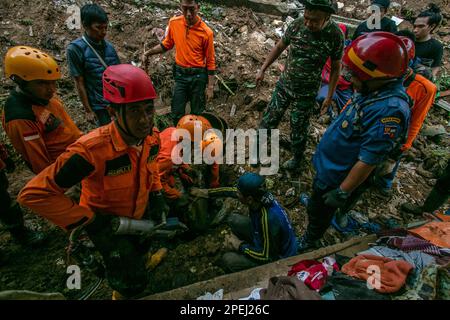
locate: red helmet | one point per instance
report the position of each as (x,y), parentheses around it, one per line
(377,55)
(410,46)
(124,83)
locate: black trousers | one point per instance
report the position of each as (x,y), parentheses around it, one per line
(10,216)
(320,214)
(190,86)
(124,257)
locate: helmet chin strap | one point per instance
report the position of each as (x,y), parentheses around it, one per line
(127,130)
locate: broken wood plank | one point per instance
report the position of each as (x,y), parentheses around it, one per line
(248,278)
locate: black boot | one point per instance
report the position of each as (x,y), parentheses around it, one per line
(434,200)
(13,220)
(412,208)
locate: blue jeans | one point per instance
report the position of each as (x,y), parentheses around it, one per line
(385,182)
(340,96)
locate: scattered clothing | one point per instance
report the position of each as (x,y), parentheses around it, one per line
(417,259)
(218,295)
(254,295)
(344,287)
(437,233)
(392,273)
(313,273)
(411,243)
(432,284)
(288,288)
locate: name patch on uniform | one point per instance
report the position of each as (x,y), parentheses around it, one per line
(118,166)
(391,119)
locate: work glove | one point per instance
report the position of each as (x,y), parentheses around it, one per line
(185,173)
(336,198)
(158,207)
(182,201)
(199,193)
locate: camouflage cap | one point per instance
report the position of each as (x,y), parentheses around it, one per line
(322,5)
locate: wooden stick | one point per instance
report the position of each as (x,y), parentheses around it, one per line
(225,85)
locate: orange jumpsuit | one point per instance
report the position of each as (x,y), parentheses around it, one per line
(116,179)
(39,133)
(167,168)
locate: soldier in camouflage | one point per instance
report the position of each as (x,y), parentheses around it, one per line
(312,39)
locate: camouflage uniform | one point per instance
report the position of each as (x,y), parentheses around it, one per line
(300,81)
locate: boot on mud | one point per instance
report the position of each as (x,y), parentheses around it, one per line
(292,164)
(304,244)
(28,238)
(412,208)
(13,221)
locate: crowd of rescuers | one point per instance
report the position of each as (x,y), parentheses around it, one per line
(126,170)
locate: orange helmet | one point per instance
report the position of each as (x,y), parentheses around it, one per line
(191,122)
(29,64)
(211,139)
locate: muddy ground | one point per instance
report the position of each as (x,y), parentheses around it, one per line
(243,39)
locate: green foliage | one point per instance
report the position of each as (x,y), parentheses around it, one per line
(26,22)
(443,82)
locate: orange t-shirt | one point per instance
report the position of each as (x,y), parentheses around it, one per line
(422,92)
(194,44)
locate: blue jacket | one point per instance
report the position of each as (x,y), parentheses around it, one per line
(370,129)
(273,235)
(93,71)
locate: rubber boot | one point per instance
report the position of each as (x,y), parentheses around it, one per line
(155,259)
(304,243)
(13,220)
(412,208)
(293,164)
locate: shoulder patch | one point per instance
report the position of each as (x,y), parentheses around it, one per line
(18,107)
(391,120)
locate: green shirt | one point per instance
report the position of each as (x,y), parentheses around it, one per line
(308,53)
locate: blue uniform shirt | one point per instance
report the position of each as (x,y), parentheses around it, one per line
(273,235)
(369,129)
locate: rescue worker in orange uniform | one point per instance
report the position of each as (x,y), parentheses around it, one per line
(34,119)
(422,92)
(195,62)
(177,179)
(116,165)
